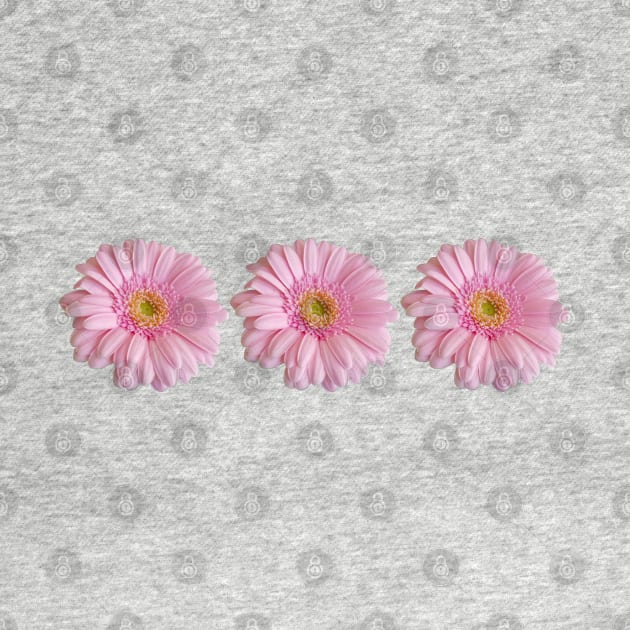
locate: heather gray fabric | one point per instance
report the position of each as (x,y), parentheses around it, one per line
(386,126)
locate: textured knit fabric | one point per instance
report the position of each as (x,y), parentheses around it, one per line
(388,127)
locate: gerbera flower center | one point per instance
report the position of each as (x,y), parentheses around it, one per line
(318,308)
(489,308)
(147,308)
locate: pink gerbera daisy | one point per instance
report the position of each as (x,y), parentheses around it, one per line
(489,309)
(319,310)
(147,309)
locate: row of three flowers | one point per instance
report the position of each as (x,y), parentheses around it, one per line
(319,310)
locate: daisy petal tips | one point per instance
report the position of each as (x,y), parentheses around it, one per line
(490,310)
(319,310)
(148,310)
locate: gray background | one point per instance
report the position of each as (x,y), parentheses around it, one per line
(389,127)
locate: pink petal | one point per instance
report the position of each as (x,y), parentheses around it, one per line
(140,265)
(283,340)
(271,321)
(339,346)
(453,340)
(306,349)
(101,321)
(278,263)
(106,257)
(163,265)
(112,341)
(310,257)
(294,261)
(479,348)
(335,264)
(442,321)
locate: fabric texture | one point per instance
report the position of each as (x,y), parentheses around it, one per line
(387,127)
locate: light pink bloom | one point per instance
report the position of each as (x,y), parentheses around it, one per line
(319,310)
(489,309)
(147,309)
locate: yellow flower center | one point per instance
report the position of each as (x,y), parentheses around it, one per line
(318,308)
(488,308)
(147,308)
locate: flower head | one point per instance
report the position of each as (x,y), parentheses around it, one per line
(319,310)
(147,309)
(489,309)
